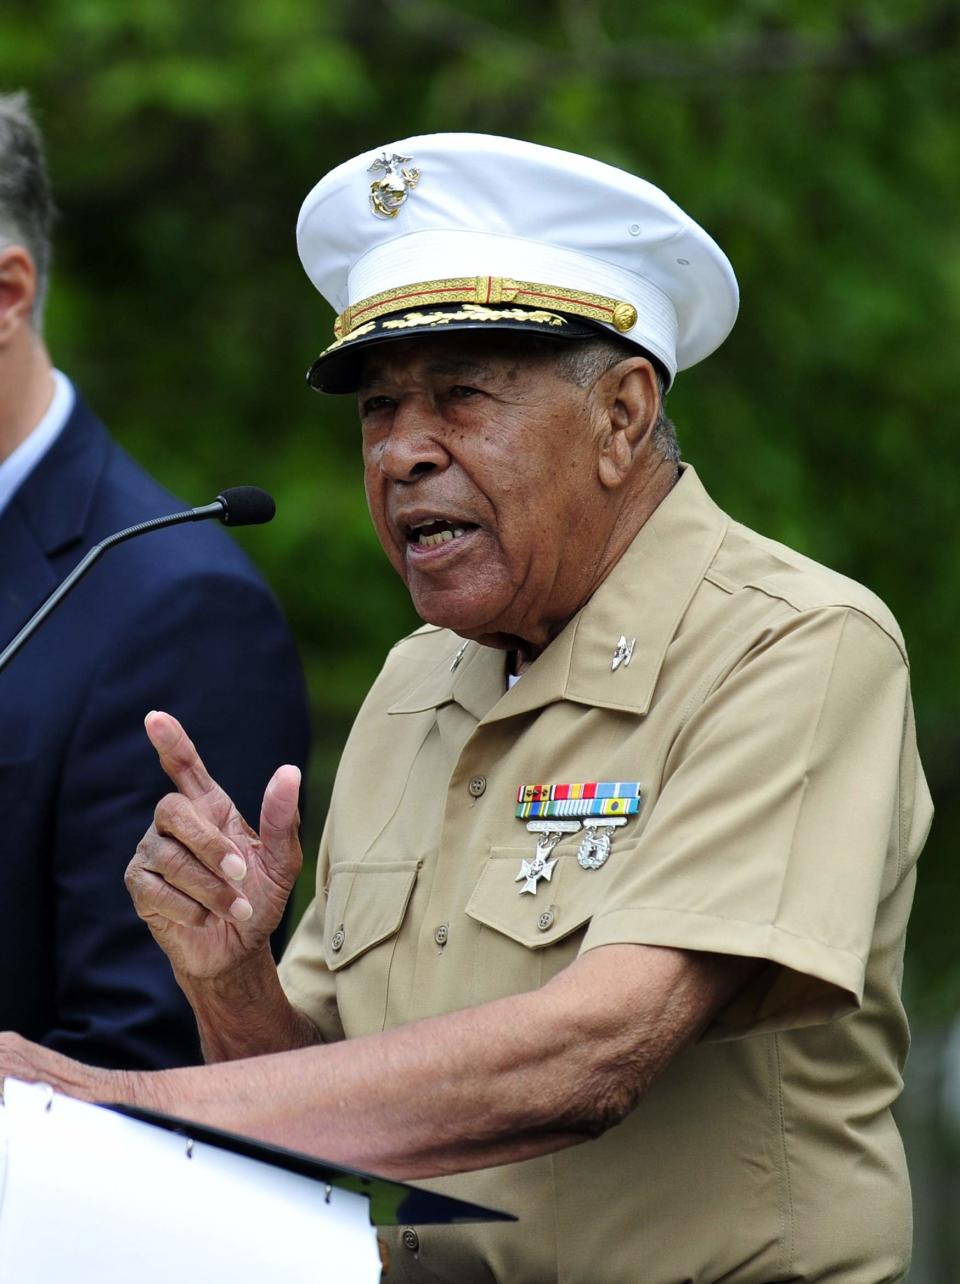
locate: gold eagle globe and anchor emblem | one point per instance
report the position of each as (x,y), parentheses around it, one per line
(388,193)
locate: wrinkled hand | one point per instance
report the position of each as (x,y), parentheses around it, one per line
(210,889)
(21,1059)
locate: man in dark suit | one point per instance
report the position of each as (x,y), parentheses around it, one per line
(176,619)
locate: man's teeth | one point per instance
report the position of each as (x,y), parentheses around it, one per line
(441,537)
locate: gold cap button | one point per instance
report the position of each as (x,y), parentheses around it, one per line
(624,317)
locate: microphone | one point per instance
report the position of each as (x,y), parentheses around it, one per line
(237,506)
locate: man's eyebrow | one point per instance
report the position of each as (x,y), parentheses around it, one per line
(370,374)
(441,367)
(458,366)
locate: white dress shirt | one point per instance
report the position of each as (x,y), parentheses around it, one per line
(16,468)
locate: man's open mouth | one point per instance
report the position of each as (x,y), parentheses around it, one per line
(437,531)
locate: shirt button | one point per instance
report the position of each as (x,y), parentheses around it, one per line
(477,785)
(546,920)
(441,934)
(410,1239)
(337,940)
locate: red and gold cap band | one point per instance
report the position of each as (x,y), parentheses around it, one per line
(487,290)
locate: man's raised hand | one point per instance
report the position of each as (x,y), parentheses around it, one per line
(210,888)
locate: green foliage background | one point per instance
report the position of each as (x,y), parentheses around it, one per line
(817,141)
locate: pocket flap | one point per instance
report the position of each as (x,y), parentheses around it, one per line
(366,903)
(560,906)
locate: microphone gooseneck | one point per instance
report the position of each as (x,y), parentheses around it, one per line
(238,506)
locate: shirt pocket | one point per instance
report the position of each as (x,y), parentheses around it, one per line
(560,907)
(366,905)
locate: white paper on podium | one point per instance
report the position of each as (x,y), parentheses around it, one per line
(88,1196)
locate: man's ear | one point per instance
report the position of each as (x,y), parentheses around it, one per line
(630,403)
(18,289)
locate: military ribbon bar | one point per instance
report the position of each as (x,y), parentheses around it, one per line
(579,807)
(589,789)
(589,798)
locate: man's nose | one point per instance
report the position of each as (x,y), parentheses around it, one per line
(414,445)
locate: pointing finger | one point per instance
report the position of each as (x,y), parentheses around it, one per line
(179,758)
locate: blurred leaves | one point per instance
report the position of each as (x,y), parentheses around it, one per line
(818,143)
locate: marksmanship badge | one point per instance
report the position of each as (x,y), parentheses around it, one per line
(595,848)
(388,193)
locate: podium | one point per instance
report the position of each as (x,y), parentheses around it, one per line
(112,1194)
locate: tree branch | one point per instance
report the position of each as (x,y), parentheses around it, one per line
(859,47)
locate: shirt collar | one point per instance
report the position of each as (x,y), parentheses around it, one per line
(17,466)
(645,596)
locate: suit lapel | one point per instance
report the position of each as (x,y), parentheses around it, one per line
(43,528)
(26,576)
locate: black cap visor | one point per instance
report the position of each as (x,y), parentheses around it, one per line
(337,370)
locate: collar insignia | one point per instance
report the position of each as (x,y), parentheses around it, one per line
(622,653)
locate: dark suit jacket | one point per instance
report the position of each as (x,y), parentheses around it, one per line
(176,620)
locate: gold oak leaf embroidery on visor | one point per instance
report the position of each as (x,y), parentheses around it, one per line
(360,331)
(470,312)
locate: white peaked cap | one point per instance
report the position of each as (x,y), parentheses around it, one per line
(454,231)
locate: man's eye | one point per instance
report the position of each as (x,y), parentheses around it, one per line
(372,404)
(462,390)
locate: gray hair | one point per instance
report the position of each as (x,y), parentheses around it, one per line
(584,361)
(26,203)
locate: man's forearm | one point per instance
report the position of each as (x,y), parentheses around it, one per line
(247,1013)
(417,1101)
(489,1085)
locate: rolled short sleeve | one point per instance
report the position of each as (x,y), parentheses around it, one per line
(775,827)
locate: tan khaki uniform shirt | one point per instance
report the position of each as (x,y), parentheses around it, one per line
(766,712)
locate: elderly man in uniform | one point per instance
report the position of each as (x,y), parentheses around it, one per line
(613,889)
